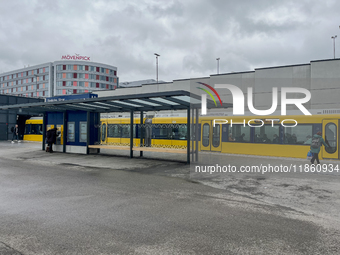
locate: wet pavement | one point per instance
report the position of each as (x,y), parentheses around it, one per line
(110,204)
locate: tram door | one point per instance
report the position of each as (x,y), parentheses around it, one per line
(330,133)
(211,136)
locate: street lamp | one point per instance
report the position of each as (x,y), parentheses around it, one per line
(157,55)
(333,37)
(218,65)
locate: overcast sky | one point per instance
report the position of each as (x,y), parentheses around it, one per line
(188,34)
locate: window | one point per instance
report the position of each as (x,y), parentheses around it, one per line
(113,130)
(239,133)
(125,130)
(205,135)
(34,129)
(81,84)
(267,134)
(216,136)
(301,134)
(59,67)
(331,137)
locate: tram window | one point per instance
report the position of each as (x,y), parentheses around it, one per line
(239,133)
(331,137)
(162,131)
(113,130)
(180,132)
(27,129)
(216,136)
(125,131)
(36,129)
(267,134)
(300,134)
(205,135)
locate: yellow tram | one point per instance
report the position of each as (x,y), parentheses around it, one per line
(278,136)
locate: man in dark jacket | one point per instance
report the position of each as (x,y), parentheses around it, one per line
(15,133)
(51,137)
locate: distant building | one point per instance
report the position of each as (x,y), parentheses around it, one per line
(137,83)
(59,78)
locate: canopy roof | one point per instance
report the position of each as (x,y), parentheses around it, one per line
(156,101)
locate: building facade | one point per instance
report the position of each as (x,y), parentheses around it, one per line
(320,77)
(59,78)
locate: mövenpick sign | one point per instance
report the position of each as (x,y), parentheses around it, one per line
(75,57)
(238,101)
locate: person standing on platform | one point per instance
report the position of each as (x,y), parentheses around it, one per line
(51,138)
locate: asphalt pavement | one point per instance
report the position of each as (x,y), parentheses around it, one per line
(55,203)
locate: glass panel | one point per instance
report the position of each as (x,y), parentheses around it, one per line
(331,137)
(301,134)
(267,134)
(216,136)
(239,133)
(205,135)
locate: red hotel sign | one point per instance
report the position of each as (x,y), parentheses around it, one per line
(75,57)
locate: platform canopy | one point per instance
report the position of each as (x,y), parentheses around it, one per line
(156,101)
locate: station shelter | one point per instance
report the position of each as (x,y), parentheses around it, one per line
(77,119)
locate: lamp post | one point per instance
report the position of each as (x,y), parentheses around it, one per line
(333,37)
(157,55)
(218,65)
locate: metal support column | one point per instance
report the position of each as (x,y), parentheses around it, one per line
(64,130)
(192,132)
(188,135)
(141,133)
(88,133)
(197,135)
(131,134)
(44,131)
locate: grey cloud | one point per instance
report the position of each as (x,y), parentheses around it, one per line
(188,35)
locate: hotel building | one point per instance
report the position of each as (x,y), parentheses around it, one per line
(63,77)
